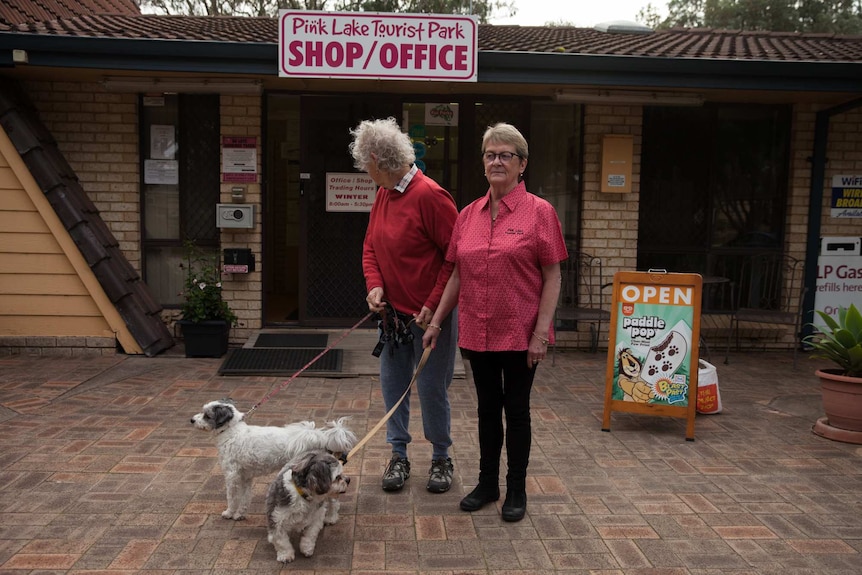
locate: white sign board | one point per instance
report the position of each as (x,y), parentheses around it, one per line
(839,275)
(165,172)
(349,192)
(441,47)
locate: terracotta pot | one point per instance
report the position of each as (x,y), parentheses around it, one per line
(842,399)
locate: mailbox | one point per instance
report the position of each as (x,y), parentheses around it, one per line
(234,215)
(238,261)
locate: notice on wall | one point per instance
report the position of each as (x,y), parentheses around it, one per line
(442,47)
(163,172)
(653,350)
(163,142)
(239,159)
(846,197)
(349,192)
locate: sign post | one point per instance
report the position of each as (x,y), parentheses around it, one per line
(653,350)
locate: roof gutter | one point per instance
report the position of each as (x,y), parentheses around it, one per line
(191,56)
(145,54)
(650,72)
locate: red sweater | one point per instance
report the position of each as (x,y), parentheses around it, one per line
(406,243)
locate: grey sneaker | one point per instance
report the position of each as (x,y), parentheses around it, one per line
(397,472)
(440,479)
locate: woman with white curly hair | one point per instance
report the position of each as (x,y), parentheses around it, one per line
(403,260)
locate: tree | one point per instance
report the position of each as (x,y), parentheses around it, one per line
(837,16)
(483,9)
(649,16)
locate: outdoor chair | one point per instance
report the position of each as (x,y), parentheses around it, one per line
(582,296)
(767,299)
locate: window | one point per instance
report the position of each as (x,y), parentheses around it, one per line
(713,186)
(180,185)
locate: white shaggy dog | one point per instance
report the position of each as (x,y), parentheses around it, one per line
(249,451)
(297,502)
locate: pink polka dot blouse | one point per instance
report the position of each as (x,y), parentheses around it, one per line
(500,266)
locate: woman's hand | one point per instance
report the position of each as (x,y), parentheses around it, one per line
(423,318)
(537,350)
(375,299)
(429,338)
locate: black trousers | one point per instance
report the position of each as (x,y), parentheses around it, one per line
(503,384)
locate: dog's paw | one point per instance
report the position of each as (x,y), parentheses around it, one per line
(306,546)
(236,516)
(286,557)
(331,518)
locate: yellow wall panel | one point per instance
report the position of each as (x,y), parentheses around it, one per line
(56,326)
(46,285)
(22,222)
(46,264)
(29,243)
(53,305)
(34,284)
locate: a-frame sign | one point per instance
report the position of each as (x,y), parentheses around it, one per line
(653,349)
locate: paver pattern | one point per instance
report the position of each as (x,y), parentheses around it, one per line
(102,472)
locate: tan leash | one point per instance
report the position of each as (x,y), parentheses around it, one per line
(306,366)
(386,417)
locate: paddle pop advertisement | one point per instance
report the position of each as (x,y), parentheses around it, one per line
(652,355)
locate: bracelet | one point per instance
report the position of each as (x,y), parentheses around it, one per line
(542,339)
(435,326)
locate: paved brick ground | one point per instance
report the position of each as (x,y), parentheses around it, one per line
(101,472)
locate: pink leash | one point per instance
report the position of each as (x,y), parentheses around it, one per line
(306,366)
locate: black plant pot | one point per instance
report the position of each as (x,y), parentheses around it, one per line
(205,338)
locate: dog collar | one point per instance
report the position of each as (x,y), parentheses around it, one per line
(301,491)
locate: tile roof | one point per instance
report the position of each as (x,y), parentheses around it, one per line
(16,12)
(676,43)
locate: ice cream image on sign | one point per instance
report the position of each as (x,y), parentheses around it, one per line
(662,362)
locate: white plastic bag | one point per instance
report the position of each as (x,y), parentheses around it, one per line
(708,396)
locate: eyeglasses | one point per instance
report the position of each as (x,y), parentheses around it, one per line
(505,157)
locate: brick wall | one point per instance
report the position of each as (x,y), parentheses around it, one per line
(98,134)
(609,221)
(241,116)
(844,157)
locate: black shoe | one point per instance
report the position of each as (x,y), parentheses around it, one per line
(515,505)
(440,475)
(480,496)
(397,472)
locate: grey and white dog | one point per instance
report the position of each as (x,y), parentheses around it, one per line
(298,502)
(248,451)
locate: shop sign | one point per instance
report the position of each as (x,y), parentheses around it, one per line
(652,363)
(349,192)
(846,197)
(390,46)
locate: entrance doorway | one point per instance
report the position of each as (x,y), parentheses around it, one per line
(312,265)
(312,257)
(281,211)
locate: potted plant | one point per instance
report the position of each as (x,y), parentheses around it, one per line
(840,341)
(206,317)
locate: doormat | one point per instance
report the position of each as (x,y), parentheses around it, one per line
(280,361)
(292,340)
